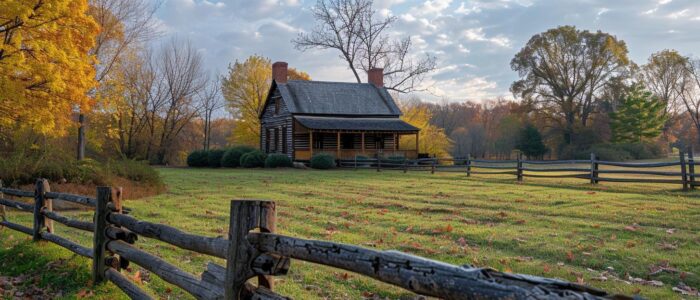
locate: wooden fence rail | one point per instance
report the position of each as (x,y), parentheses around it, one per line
(520,168)
(254,250)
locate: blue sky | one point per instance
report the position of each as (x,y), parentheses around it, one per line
(473,40)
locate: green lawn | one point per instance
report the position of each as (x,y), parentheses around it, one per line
(547,227)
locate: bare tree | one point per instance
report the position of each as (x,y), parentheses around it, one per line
(122,24)
(689,90)
(351,27)
(211,101)
(183,77)
(662,74)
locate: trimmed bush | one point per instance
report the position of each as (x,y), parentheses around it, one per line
(198,158)
(278,161)
(232,156)
(214,157)
(135,170)
(253,159)
(322,161)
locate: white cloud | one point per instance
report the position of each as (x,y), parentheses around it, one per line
(477,34)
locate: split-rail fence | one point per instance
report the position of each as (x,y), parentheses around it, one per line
(589,169)
(254,250)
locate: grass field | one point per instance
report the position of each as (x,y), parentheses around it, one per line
(605,235)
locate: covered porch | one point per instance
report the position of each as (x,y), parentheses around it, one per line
(358,137)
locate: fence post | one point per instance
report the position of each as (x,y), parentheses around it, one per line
(99,266)
(691,167)
(432,166)
(379,163)
(246,215)
(684,174)
(594,169)
(405,165)
(3,212)
(519,166)
(469,165)
(42,186)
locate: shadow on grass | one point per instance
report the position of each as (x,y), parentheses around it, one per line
(41,267)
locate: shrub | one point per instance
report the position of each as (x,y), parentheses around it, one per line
(198,158)
(135,170)
(232,156)
(253,159)
(322,161)
(278,161)
(214,157)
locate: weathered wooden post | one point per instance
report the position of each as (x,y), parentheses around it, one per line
(594,169)
(3,212)
(246,215)
(42,186)
(691,167)
(519,166)
(379,163)
(99,266)
(355,161)
(432,166)
(684,174)
(469,165)
(405,165)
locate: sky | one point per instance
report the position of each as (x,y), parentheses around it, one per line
(473,40)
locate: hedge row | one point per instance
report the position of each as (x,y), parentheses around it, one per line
(240,156)
(249,157)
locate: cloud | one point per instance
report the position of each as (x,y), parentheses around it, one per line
(473,40)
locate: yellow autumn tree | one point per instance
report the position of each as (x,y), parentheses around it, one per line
(45,68)
(432,139)
(245,89)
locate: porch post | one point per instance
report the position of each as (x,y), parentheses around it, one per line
(311,143)
(337,156)
(417,144)
(363,142)
(395,145)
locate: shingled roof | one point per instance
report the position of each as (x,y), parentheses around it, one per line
(359,124)
(337,98)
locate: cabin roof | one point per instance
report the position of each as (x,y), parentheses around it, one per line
(337,98)
(360,124)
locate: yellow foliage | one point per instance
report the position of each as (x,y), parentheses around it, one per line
(432,139)
(245,88)
(45,69)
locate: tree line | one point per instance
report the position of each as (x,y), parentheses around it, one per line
(144,97)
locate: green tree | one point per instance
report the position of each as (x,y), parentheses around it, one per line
(639,117)
(530,142)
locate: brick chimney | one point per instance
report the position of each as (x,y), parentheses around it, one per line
(279,72)
(376,76)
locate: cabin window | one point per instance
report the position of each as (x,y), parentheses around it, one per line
(284,139)
(267,140)
(347,140)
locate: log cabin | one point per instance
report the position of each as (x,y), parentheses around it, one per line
(301,118)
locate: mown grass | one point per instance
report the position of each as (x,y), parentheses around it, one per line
(561,228)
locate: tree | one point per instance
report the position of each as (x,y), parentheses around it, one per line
(245,89)
(45,68)
(530,142)
(352,28)
(122,25)
(662,76)
(640,116)
(563,71)
(211,101)
(432,139)
(689,90)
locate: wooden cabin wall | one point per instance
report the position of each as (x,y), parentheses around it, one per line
(282,121)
